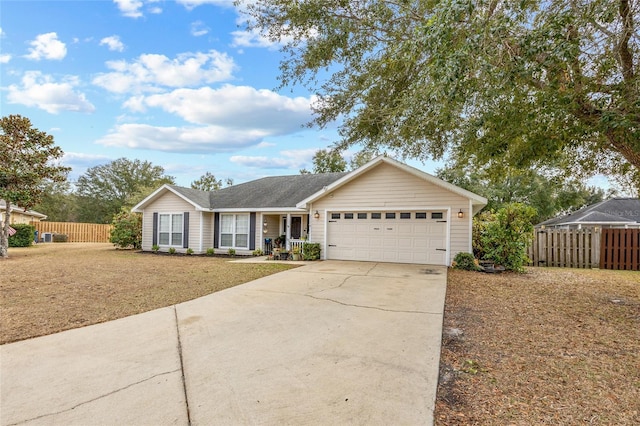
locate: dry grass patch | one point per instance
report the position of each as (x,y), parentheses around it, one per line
(53,287)
(552,346)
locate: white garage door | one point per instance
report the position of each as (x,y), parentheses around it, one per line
(388,236)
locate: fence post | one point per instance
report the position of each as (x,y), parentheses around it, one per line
(596,246)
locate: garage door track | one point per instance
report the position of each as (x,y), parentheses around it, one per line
(328,343)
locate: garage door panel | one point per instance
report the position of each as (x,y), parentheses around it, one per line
(387,240)
(405,242)
(420,243)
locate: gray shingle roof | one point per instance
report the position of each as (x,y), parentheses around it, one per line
(274,191)
(197,196)
(613,210)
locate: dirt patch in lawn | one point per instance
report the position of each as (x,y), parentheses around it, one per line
(552,346)
(53,287)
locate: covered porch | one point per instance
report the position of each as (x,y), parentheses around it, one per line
(284,230)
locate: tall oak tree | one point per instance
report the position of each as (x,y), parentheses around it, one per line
(497,83)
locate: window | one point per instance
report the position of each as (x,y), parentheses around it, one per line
(335,215)
(362,215)
(405,215)
(389,215)
(170,229)
(438,215)
(421,215)
(376,215)
(234,230)
(348,215)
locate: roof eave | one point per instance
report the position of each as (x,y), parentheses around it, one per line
(260,209)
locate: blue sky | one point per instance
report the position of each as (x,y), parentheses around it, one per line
(177,83)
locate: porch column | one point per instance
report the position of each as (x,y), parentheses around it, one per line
(288,231)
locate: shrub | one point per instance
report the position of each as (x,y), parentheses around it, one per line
(60,238)
(465,261)
(480,223)
(231,252)
(24,235)
(311,251)
(506,238)
(155,248)
(189,251)
(210,251)
(258,252)
(172,250)
(127,230)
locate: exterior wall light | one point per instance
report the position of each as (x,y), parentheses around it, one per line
(460,214)
(316,215)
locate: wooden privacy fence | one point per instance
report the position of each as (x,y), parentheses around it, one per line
(620,249)
(568,248)
(76,232)
(586,248)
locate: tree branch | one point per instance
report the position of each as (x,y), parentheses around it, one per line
(624,53)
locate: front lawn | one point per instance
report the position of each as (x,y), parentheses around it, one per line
(53,287)
(552,346)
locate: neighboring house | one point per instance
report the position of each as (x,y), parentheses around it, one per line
(612,213)
(383,211)
(20,215)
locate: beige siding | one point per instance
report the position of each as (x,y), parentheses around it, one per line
(207,232)
(18,217)
(171,203)
(273,227)
(387,187)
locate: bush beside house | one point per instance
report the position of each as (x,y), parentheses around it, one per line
(503,237)
(24,235)
(127,230)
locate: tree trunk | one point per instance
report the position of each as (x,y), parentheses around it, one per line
(4,231)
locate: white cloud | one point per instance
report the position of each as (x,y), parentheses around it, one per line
(79,159)
(113,43)
(130,8)
(149,71)
(253,38)
(265,145)
(206,139)
(80,162)
(290,159)
(198,28)
(225,119)
(191,4)
(41,91)
(239,107)
(47,46)
(5,58)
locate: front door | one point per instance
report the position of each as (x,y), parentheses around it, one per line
(296,227)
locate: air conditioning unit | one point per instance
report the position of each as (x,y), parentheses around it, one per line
(47,237)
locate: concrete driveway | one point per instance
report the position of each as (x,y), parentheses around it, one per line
(327,343)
